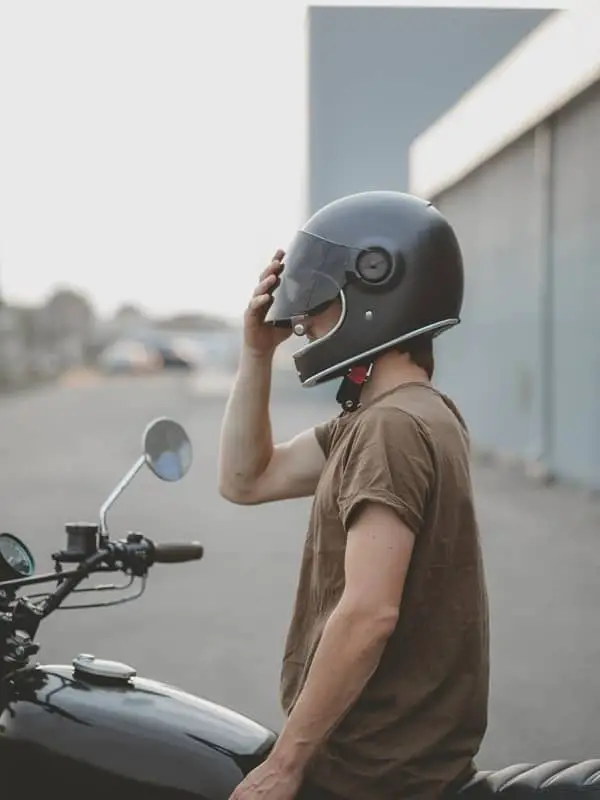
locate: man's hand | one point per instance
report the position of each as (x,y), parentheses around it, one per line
(259,338)
(269,781)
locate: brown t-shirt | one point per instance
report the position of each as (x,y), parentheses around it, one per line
(419,722)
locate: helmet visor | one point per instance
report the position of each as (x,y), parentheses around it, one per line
(314,273)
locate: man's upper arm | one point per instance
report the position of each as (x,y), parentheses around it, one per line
(294,470)
(378,554)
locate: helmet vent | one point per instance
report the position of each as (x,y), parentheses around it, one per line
(374,265)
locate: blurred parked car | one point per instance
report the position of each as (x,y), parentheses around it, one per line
(125,356)
(177,354)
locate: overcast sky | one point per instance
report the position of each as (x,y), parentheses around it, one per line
(151,150)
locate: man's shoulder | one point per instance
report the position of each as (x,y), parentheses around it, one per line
(430,409)
(420,415)
(386,416)
(387,427)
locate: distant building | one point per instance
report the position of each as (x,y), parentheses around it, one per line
(379,76)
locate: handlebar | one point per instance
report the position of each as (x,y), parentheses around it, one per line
(20,618)
(177,553)
(133,555)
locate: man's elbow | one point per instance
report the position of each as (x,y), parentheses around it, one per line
(233,495)
(227,493)
(239,495)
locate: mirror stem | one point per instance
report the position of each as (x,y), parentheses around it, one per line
(116,492)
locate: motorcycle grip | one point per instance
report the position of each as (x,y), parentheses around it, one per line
(177,553)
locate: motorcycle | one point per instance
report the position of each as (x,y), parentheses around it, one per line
(95,728)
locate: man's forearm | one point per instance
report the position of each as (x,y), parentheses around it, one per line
(348,654)
(246,439)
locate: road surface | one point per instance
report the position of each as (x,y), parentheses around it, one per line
(216,627)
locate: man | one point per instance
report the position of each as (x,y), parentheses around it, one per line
(385,671)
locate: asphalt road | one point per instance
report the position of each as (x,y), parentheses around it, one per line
(216,627)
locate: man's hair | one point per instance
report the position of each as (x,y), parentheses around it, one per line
(420,351)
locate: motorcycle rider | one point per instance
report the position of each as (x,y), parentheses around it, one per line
(386,667)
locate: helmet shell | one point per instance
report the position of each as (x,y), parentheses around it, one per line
(395,263)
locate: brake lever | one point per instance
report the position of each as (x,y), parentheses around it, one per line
(122,601)
(68,585)
(106,587)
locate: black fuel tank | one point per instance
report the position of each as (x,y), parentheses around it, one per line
(110,735)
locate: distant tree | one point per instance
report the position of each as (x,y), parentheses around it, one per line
(74,310)
(129,311)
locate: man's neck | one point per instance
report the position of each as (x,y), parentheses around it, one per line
(390,370)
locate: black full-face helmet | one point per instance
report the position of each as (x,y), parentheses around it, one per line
(395,264)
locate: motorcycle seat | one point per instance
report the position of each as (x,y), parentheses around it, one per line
(558,779)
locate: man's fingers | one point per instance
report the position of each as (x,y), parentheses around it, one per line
(274,267)
(265,285)
(258,302)
(269,280)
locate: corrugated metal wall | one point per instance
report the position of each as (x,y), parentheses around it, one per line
(491,363)
(525,363)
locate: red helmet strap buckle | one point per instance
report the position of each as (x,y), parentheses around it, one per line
(348,395)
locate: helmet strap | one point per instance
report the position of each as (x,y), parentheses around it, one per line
(348,395)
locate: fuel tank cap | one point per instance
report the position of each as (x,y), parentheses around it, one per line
(102,670)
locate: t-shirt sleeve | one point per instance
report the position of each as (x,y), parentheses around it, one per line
(389,461)
(323,432)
